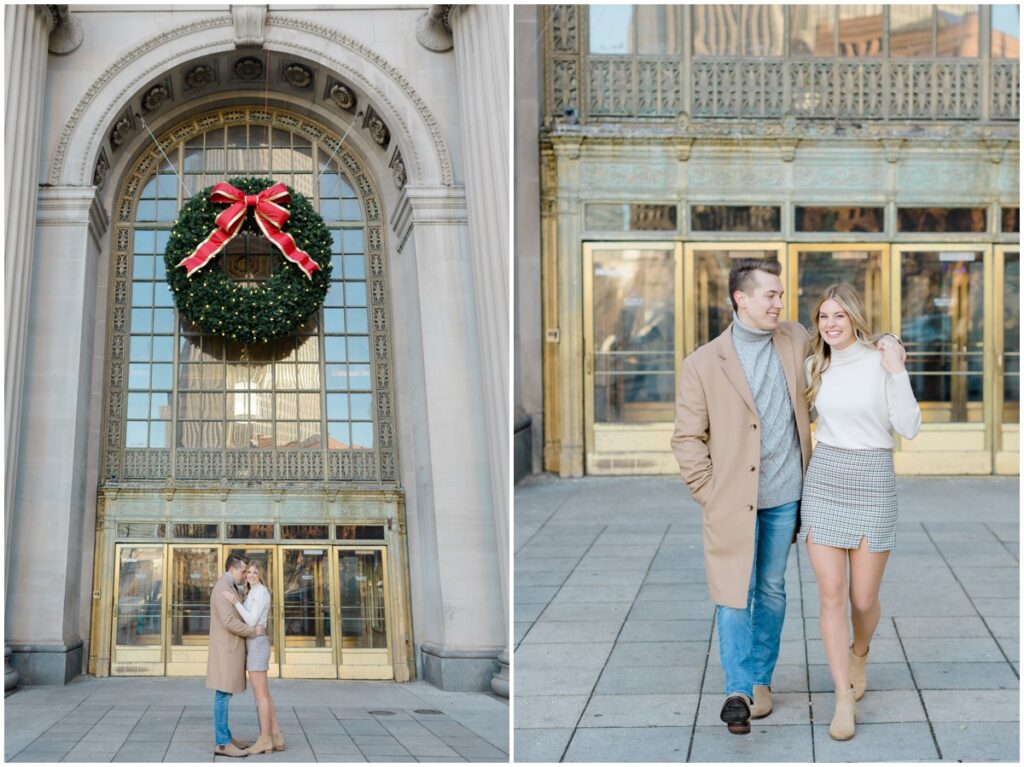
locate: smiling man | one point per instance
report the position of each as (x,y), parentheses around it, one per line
(742,439)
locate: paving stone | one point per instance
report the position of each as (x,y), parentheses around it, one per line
(548,711)
(882,651)
(881,676)
(664,592)
(543,594)
(933,628)
(972,705)
(658,654)
(787,678)
(878,706)
(540,656)
(1010,647)
(951,650)
(581,594)
(993,588)
(584,576)
(665,631)
(787,743)
(978,741)
(573,632)
(587,611)
(527,611)
(519,629)
(540,578)
(1004,626)
(904,742)
(691,577)
(964,676)
(646,680)
(556,681)
(363,727)
(383,749)
(990,607)
(629,744)
(640,711)
(673,611)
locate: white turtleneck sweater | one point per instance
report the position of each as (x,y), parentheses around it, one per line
(859,404)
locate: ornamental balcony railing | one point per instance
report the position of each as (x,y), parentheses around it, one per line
(598,88)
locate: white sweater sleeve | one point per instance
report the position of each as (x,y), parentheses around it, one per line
(904,413)
(259,601)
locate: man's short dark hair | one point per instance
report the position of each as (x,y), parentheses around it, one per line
(741,276)
(235,560)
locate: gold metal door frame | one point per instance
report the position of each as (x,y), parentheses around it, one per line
(133,661)
(364,663)
(657,444)
(689,331)
(961,447)
(1006,436)
(791,275)
(186,659)
(309,662)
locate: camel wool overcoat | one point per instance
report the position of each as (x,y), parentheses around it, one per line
(717,442)
(225,663)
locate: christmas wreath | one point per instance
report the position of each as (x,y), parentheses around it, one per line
(208,297)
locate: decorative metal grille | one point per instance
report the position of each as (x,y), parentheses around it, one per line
(180,434)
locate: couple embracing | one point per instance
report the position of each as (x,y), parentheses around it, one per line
(229,657)
(742,439)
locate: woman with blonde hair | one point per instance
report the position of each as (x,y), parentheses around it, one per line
(860,395)
(254,611)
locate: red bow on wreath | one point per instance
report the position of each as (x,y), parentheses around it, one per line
(270,217)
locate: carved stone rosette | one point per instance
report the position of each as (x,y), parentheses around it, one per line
(341,95)
(377,128)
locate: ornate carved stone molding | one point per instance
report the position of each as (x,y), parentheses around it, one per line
(249,21)
(398,170)
(434,29)
(66,32)
(377,128)
(341,95)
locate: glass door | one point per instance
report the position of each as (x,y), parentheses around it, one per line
(632,296)
(1006,393)
(265,556)
(138,646)
(193,573)
(813,267)
(363,618)
(945,318)
(307,638)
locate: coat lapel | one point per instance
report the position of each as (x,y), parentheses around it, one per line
(733,369)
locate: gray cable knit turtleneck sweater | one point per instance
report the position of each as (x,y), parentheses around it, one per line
(781,477)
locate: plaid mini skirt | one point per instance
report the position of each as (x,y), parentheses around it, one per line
(849,494)
(257,653)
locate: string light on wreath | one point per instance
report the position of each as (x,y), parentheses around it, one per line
(209,298)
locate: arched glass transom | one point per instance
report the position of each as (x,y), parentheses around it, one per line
(190,406)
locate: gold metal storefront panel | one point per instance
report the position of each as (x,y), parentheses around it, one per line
(1006,389)
(139,610)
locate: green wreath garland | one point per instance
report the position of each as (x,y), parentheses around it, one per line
(218,305)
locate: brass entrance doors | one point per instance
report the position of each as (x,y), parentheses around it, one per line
(364,651)
(194,571)
(1006,391)
(138,646)
(307,647)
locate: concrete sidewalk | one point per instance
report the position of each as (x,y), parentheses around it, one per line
(616,657)
(165,719)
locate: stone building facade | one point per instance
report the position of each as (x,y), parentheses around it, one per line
(362,458)
(877,145)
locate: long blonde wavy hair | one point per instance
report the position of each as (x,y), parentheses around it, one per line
(259,571)
(821,353)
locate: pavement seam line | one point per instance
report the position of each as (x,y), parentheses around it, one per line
(970,599)
(171,739)
(1014,554)
(917,689)
(700,688)
(597,681)
(807,652)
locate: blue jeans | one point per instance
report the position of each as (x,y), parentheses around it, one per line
(748,640)
(222,732)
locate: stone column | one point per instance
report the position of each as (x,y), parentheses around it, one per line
(52,487)
(482,67)
(26,34)
(460,617)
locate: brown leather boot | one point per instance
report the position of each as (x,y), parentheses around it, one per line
(264,745)
(858,672)
(843,726)
(278,738)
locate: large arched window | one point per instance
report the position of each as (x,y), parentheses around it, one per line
(188,406)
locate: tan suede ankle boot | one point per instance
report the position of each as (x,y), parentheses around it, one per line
(843,727)
(858,672)
(278,738)
(263,745)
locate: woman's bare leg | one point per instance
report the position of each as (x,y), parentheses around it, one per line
(829,565)
(262,695)
(866,570)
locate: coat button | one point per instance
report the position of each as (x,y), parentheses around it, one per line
(749,507)
(753,468)
(753,427)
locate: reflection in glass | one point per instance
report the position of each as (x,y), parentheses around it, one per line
(658,28)
(862,269)
(811,219)
(711,284)
(611,29)
(738,30)
(942,329)
(363,612)
(1011,337)
(193,575)
(735,218)
(860,31)
(910,30)
(1010,220)
(140,596)
(942,220)
(957,31)
(1006,31)
(634,335)
(306,599)
(812,30)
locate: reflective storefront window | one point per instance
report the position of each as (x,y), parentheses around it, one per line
(812,30)
(1006,31)
(942,329)
(738,30)
(858,267)
(956,31)
(860,31)
(711,283)
(1011,337)
(361,586)
(140,596)
(634,335)
(629,29)
(816,219)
